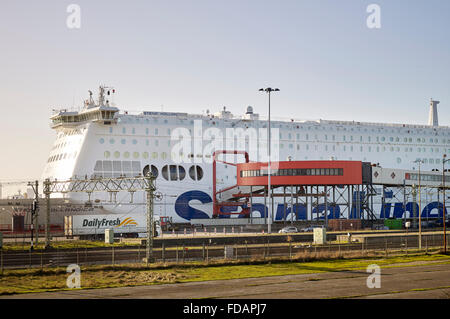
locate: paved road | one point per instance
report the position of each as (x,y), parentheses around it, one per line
(420,281)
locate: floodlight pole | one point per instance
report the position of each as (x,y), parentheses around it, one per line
(269,222)
(443,210)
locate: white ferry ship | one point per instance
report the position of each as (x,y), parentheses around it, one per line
(102,140)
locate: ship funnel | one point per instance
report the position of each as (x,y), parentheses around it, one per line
(433,117)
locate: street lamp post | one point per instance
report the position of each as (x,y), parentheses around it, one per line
(443,210)
(269,227)
(420,209)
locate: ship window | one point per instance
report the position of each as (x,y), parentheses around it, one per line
(102,140)
(173,172)
(154,155)
(156,131)
(181,172)
(136,154)
(145,155)
(199,173)
(196,172)
(123,141)
(111,141)
(126,154)
(134,142)
(165,173)
(153,168)
(126,166)
(116,154)
(136,166)
(117,166)
(107,154)
(133,131)
(98,166)
(124,130)
(107,166)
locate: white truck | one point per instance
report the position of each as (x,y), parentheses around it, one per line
(93,226)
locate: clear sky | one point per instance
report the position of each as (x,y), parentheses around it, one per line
(194,55)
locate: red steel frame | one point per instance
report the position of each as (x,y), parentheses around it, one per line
(352,173)
(216,205)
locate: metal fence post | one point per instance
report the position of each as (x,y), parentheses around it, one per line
(386,247)
(203,251)
(163,252)
(139,253)
(406,245)
(290,250)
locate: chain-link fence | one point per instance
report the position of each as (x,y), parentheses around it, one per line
(240,250)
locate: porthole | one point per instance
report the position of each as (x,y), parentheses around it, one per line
(152,168)
(116,154)
(165,173)
(181,172)
(145,155)
(111,141)
(126,154)
(102,140)
(196,172)
(107,154)
(136,154)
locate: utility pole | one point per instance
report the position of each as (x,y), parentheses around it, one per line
(149,190)
(110,185)
(35,213)
(420,209)
(269,227)
(47,193)
(443,210)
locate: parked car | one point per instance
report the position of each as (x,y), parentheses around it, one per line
(310,229)
(289,229)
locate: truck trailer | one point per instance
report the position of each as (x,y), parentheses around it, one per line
(94,226)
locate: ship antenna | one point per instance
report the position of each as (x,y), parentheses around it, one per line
(91,101)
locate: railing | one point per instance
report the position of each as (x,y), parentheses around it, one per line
(241,249)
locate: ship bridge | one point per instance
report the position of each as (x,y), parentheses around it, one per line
(101,112)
